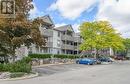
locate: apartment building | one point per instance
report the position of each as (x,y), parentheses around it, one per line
(70,40)
(60,40)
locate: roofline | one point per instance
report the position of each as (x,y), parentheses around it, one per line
(66,25)
(49,19)
(62,26)
(57,29)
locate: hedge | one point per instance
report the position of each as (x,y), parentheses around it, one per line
(61,56)
(40,56)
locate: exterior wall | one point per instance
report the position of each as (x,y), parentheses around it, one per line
(77,41)
(56,42)
(53,45)
(67,42)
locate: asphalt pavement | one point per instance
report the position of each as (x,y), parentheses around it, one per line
(115,73)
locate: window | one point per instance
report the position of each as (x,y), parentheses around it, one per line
(75,43)
(64,32)
(58,43)
(58,34)
(63,41)
(45,50)
(58,52)
(71,43)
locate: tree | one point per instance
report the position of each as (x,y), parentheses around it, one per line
(100,35)
(20,30)
(127,44)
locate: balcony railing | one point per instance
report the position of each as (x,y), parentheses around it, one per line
(67,37)
(77,47)
(76,39)
(67,47)
(49,44)
(47,32)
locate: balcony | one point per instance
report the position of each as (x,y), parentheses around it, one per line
(77,47)
(67,37)
(49,44)
(77,39)
(67,47)
(47,32)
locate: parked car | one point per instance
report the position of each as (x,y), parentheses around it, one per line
(96,61)
(105,59)
(119,58)
(86,61)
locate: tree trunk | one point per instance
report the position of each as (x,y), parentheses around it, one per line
(96,53)
(95,56)
(13,58)
(13,54)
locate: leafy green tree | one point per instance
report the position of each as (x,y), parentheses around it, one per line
(127,45)
(18,31)
(100,35)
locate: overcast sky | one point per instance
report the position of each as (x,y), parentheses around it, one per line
(74,12)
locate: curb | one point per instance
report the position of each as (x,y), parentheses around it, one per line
(22,78)
(50,65)
(105,63)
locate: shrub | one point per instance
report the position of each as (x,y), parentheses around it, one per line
(77,56)
(26,60)
(40,56)
(1,67)
(19,66)
(61,56)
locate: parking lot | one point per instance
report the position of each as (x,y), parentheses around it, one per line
(53,69)
(115,73)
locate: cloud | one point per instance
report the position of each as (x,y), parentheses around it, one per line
(35,12)
(117,13)
(71,9)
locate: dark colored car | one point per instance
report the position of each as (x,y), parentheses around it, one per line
(96,61)
(119,58)
(105,59)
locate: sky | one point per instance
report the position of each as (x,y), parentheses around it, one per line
(74,12)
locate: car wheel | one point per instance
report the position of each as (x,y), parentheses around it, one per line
(88,63)
(77,62)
